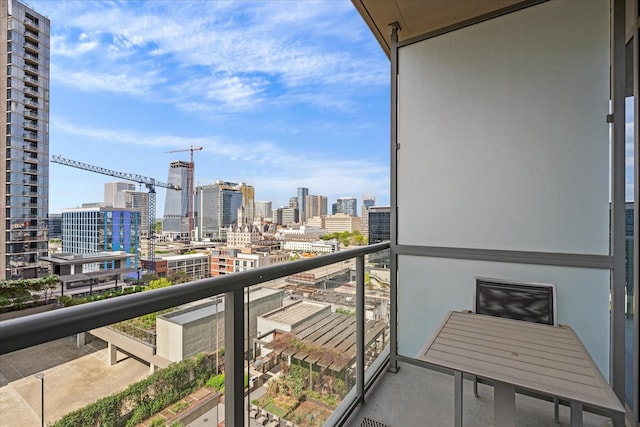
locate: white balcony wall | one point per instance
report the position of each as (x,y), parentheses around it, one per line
(504,145)
(583,298)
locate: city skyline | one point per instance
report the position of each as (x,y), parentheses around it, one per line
(279,104)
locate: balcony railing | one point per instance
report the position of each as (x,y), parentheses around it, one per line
(21,333)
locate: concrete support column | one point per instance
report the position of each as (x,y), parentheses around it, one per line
(152,368)
(81,339)
(113,354)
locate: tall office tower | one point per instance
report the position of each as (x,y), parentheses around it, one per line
(302,202)
(347,205)
(176,204)
(263,210)
(367,202)
(95,229)
(316,206)
(379,224)
(111,190)
(293,202)
(216,209)
(24,150)
(248,202)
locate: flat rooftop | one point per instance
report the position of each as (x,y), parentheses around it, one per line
(295,313)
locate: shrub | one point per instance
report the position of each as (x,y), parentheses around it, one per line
(143,399)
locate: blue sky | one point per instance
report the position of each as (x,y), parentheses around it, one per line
(281,94)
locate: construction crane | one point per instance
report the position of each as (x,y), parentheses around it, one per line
(190,192)
(151,185)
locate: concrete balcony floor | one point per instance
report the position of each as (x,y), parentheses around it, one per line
(421,397)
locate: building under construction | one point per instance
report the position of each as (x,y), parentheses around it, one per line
(175,222)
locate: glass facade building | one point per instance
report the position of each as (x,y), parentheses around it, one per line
(346,205)
(216,208)
(303,192)
(379,224)
(24,153)
(176,205)
(93,230)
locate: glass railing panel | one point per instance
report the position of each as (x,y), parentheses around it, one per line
(305,352)
(109,375)
(377,280)
(157,368)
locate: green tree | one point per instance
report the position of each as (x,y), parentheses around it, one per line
(177,276)
(160,283)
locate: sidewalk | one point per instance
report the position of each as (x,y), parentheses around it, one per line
(73,377)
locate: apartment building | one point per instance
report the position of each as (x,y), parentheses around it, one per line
(24,188)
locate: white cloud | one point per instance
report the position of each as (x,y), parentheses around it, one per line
(301,44)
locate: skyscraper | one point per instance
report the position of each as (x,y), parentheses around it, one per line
(302,203)
(367,202)
(263,210)
(347,205)
(176,204)
(248,202)
(316,206)
(24,150)
(216,209)
(111,190)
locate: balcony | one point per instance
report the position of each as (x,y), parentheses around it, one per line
(31,35)
(31,79)
(522,191)
(31,47)
(31,68)
(417,394)
(31,23)
(31,58)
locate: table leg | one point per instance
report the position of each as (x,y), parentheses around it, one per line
(576,414)
(504,404)
(457,375)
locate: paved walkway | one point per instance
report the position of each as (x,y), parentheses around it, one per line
(73,377)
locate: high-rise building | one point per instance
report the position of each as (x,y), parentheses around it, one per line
(216,209)
(302,202)
(347,205)
(95,229)
(379,224)
(248,202)
(263,210)
(176,205)
(293,202)
(367,202)
(24,150)
(111,190)
(286,216)
(316,206)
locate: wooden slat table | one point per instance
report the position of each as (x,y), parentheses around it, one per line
(525,355)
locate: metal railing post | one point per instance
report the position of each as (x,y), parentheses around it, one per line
(234,357)
(360,321)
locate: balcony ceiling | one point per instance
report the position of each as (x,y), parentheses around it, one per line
(423,16)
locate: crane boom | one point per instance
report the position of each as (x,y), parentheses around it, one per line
(151,185)
(104,171)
